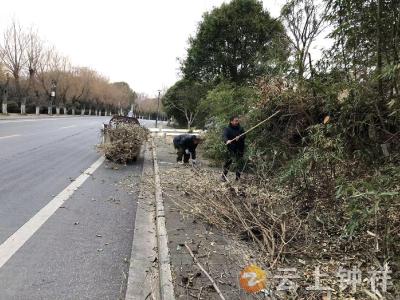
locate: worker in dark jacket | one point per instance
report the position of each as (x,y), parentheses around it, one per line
(186,144)
(235,147)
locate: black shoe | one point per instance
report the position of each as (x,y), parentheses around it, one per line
(237,176)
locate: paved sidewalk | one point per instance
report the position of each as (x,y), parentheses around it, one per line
(215,252)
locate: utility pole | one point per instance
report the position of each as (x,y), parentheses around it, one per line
(158,107)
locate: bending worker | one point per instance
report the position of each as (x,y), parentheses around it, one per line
(186,144)
(235,147)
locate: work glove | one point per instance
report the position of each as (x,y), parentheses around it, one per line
(187,151)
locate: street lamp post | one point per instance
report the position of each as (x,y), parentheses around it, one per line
(52,96)
(158,107)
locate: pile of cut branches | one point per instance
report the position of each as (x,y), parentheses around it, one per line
(281,225)
(122,143)
(252,213)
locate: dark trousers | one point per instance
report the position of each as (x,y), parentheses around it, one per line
(234,159)
(180,152)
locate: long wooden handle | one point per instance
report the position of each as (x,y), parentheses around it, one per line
(255,126)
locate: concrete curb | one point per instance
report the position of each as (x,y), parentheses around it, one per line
(165,276)
(143,271)
(148,236)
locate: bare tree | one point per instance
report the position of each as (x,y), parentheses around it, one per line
(34,55)
(4,79)
(64,86)
(80,86)
(44,74)
(13,55)
(61,71)
(304,21)
(53,74)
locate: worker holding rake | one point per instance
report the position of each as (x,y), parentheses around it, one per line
(234,139)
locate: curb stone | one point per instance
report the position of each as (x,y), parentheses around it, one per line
(144,278)
(165,276)
(143,272)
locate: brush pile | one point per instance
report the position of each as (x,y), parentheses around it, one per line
(276,228)
(280,224)
(122,142)
(251,213)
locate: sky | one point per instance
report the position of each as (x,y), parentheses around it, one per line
(136,41)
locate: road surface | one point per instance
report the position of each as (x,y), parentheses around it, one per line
(80,250)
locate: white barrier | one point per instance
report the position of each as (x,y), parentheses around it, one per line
(163,132)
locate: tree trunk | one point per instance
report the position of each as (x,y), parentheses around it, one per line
(4,107)
(90,111)
(23,106)
(4,97)
(379,63)
(65,110)
(301,66)
(73,111)
(17,87)
(37,110)
(379,46)
(57,110)
(83,111)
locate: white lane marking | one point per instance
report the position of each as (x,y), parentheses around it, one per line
(67,127)
(29,120)
(25,232)
(9,136)
(5,121)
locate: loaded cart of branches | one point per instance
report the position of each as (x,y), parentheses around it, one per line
(122,139)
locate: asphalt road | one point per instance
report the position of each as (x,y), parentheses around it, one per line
(82,250)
